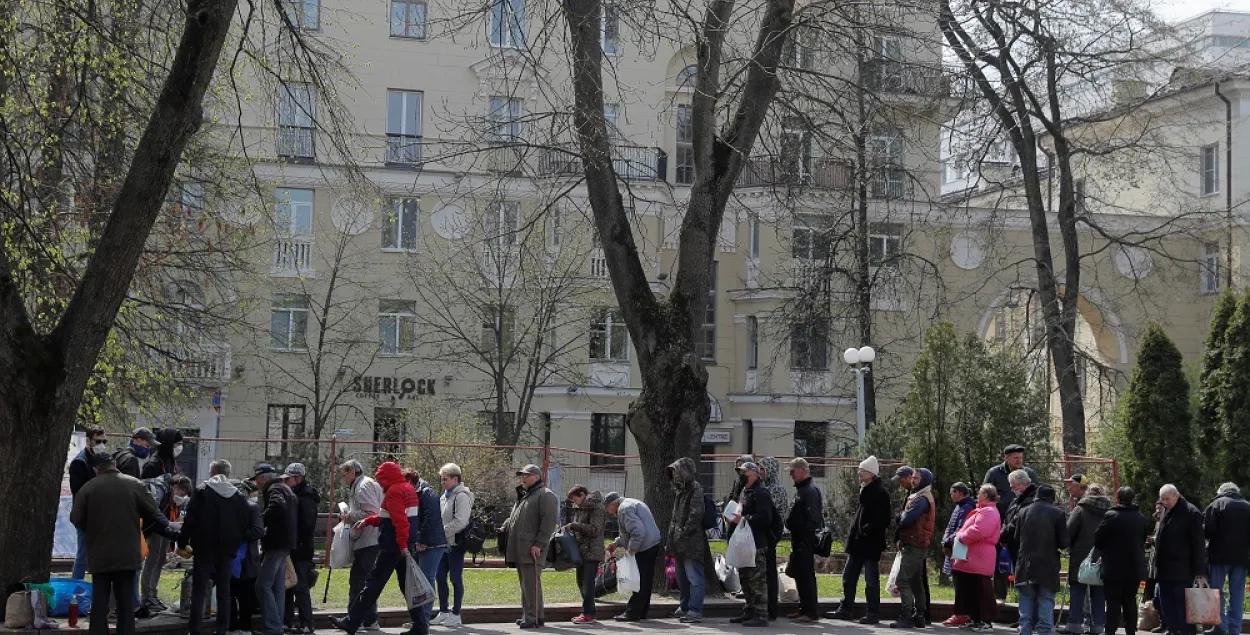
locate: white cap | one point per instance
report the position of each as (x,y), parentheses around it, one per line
(870,465)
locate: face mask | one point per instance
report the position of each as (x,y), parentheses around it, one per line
(177,449)
(139,450)
(742,479)
(181,501)
(100,446)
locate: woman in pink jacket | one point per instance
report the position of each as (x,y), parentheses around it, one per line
(974,573)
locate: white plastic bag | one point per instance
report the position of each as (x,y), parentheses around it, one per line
(891,585)
(728,575)
(417,589)
(628,577)
(341,554)
(740,552)
(787,589)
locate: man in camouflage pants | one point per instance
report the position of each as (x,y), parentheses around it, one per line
(761,516)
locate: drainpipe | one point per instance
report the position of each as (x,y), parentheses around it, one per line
(1228,179)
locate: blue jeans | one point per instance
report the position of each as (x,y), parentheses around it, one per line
(871,567)
(80,557)
(451,565)
(429,561)
(271,589)
(1231,603)
(1097,607)
(1037,609)
(586,578)
(690,581)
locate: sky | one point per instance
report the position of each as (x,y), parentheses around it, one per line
(1173,10)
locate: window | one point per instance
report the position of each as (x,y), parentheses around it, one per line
(612,115)
(885,244)
(886,154)
(706,346)
(607,436)
(611,33)
(507,23)
(809,346)
(503,222)
(809,241)
(754,228)
(887,47)
(685,145)
(686,77)
(811,440)
(186,203)
(1209,268)
(403,126)
(796,154)
(1211,169)
(397,327)
(1078,195)
(283,422)
(408,18)
(306,14)
(797,52)
(399,228)
(555,230)
(288,323)
(296,118)
(498,325)
(389,426)
(505,119)
(753,342)
(294,213)
(609,339)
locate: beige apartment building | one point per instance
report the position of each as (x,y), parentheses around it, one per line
(456,247)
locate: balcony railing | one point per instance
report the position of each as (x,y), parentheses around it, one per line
(506,159)
(901,78)
(209,362)
(773,171)
(632,163)
(292,256)
(403,149)
(889,183)
(295,142)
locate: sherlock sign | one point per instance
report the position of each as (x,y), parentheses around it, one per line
(397,387)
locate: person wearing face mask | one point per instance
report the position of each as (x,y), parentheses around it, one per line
(132,458)
(168,448)
(171,494)
(80,471)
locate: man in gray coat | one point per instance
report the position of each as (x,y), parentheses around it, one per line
(364,499)
(530,526)
(640,538)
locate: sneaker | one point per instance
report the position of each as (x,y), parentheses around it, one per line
(678,614)
(453,621)
(902,623)
(985,627)
(626,617)
(691,618)
(438,618)
(341,624)
(870,620)
(957,620)
(371,627)
(584,619)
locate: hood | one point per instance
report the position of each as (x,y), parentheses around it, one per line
(222,486)
(684,470)
(388,474)
(1231,496)
(926,478)
(772,471)
(593,500)
(1046,493)
(1098,504)
(745,458)
(167,438)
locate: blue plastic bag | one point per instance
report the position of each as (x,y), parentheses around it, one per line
(63,590)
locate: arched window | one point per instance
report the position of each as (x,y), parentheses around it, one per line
(686,77)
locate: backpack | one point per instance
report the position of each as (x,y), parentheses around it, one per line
(778,526)
(711,515)
(824,542)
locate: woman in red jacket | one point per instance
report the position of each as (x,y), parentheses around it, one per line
(974,572)
(396,536)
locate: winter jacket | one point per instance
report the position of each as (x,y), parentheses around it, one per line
(1040,533)
(871,521)
(307,500)
(1082,522)
(281,515)
(958,516)
(430,532)
(915,524)
(128,460)
(533,519)
(1181,552)
(456,509)
(735,492)
(1121,541)
(364,501)
(980,532)
(218,519)
(686,538)
(164,462)
(997,476)
(638,531)
(807,517)
(772,482)
(1018,505)
(1227,527)
(400,508)
(588,527)
(251,561)
(758,511)
(79,472)
(108,510)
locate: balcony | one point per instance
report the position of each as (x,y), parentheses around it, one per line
(403,149)
(296,143)
(773,171)
(507,160)
(889,183)
(292,256)
(901,78)
(632,163)
(209,363)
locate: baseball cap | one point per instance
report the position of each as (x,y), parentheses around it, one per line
(750,465)
(903,472)
(1013,448)
(295,470)
(263,468)
(531,470)
(612,497)
(1079,479)
(146,435)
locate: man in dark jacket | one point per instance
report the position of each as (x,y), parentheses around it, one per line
(307,500)
(1013,459)
(1180,556)
(686,539)
(108,509)
(134,456)
(1121,539)
(218,523)
(864,545)
(1227,527)
(807,517)
(168,449)
(758,512)
(281,511)
(1082,522)
(1039,533)
(735,492)
(243,601)
(80,471)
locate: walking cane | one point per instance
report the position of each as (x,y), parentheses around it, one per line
(537,605)
(326,596)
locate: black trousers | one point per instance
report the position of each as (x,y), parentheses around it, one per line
(802,567)
(1121,604)
(242,604)
(120,586)
(774,586)
(640,601)
(211,569)
(974,597)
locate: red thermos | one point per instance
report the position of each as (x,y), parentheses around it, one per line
(73,611)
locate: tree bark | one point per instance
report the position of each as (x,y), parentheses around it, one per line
(42,377)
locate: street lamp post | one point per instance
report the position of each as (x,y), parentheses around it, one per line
(859,359)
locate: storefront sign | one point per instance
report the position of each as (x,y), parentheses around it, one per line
(717,436)
(400,388)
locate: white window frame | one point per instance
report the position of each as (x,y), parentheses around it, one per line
(804,147)
(610,17)
(815,240)
(507,24)
(403,135)
(684,169)
(395,318)
(808,329)
(289,424)
(609,325)
(687,77)
(502,321)
(303,18)
(888,154)
(706,345)
(289,305)
(1209,170)
(885,244)
(503,223)
(297,111)
(753,235)
(294,218)
(753,342)
(1209,268)
(555,229)
(409,28)
(505,119)
(401,214)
